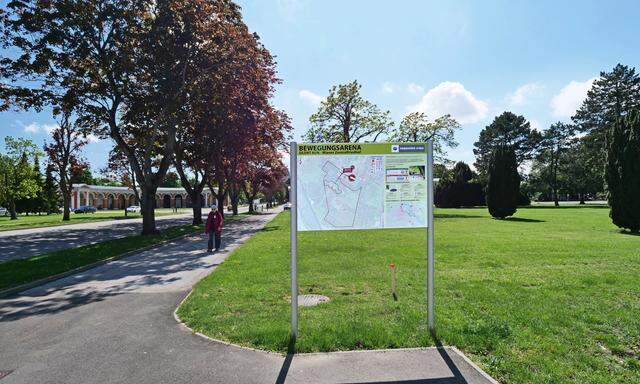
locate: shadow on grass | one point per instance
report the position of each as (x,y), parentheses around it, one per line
(628,233)
(455,216)
(270,229)
(598,206)
(523,220)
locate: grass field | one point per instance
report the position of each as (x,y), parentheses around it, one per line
(551,296)
(36,221)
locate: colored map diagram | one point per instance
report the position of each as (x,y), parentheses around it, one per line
(340,192)
(406,214)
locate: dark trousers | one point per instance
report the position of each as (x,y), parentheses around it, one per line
(214,237)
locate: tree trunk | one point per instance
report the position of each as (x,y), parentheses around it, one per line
(555,198)
(582,199)
(197,207)
(220,200)
(12,209)
(148,211)
(66,211)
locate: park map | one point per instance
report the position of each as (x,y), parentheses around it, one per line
(361,186)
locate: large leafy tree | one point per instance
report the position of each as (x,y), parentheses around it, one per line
(623,171)
(581,172)
(551,155)
(503,187)
(64,151)
(416,127)
(507,131)
(17,179)
(261,173)
(127,65)
(345,116)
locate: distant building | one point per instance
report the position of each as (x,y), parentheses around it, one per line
(106,197)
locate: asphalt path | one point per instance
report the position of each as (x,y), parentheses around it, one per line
(115,324)
(24,243)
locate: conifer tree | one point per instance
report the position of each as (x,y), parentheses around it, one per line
(50,191)
(503,188)
(38,203)
(622,172)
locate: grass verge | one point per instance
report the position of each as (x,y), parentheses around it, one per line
(22,271)
(552,295)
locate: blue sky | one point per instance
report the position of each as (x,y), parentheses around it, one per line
(473,59)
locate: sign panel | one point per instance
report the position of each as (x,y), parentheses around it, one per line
(361,186)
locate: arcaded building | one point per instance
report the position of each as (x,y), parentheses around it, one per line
(106,197)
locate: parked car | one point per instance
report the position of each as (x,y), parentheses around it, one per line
(287,206)
(133,208)
(4,211)
(85,209)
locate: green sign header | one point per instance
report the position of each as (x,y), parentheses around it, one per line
(361,149)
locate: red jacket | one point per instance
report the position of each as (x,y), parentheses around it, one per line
(214,222)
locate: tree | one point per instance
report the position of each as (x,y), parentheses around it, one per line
(612,96)
(119,168)
(345,116)
(64,153)
(262,173)
(171,180)
(38,203)
(554,143)
(508,131)
(457,188)
(582,173)
(128,66)
(51,196)
(503,187)
(416,127)
(16,173)
(623,172)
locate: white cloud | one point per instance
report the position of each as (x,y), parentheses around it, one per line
(92,138)
(452,98)
(414,88)
(310,97)
(32,128)
(535,124)
(565,103)
(388,87)
(49,128)
(519,97)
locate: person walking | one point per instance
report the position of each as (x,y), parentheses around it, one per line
(213,228)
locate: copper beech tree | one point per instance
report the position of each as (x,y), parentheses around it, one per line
(131,66)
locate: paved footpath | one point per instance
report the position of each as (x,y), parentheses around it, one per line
(115,324)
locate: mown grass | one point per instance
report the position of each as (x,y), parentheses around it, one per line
(552,296)
(38,221)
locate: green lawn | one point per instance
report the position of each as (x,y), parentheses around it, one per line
(552,296)
(36,221)
(21,271)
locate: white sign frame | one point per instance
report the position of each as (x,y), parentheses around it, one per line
(293,199)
